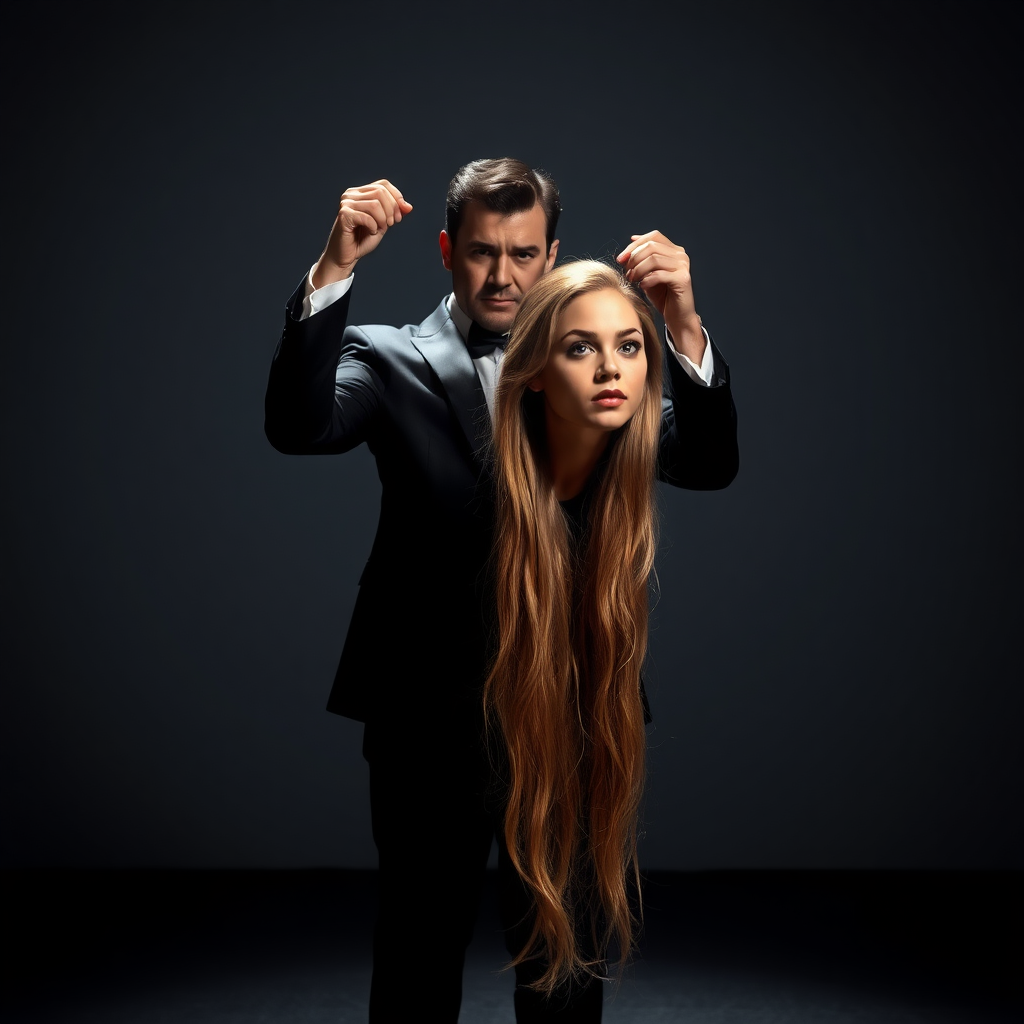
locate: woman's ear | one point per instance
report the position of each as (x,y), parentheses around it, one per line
(536,384)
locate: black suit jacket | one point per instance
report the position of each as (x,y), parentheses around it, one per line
(417,642)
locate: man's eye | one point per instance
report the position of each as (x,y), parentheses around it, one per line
(525,256)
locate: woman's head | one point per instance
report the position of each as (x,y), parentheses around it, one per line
(563,692)
(583,355)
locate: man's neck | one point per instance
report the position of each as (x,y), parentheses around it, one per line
(460,318)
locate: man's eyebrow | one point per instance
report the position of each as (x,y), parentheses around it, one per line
(478,243)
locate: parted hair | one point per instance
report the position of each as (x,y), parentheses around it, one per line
(562,698)
(504,185)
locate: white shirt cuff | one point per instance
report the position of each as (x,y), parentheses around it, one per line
(317,299)
(703,374)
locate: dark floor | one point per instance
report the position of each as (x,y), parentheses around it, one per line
(170,947)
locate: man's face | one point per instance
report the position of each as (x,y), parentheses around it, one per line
(494,261)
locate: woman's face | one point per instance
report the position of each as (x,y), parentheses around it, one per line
(595,373)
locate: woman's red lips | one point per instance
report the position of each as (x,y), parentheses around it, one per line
(609,399)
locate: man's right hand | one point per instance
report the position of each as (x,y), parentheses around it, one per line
(364,214)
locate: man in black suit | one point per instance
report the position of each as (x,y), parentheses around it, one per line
(415,653)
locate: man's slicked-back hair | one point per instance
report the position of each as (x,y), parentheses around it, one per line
(505,186)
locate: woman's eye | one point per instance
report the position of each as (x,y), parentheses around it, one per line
(578,348)
(630,348)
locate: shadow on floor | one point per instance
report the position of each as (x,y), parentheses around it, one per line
(283,947)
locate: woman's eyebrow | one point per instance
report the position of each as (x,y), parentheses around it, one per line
(593,334)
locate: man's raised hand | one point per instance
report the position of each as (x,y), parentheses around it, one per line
(661,269)
(364,215)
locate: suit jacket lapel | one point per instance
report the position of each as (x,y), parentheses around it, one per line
(439,342)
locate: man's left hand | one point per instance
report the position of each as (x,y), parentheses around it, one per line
(661,269)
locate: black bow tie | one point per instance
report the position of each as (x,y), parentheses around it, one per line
(482,342)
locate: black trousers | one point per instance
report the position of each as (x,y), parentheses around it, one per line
(435,812)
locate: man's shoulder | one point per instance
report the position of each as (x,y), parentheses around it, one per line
(439,322)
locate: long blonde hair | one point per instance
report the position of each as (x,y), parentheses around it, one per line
(563,692)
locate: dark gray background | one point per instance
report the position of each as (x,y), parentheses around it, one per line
(836,656)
